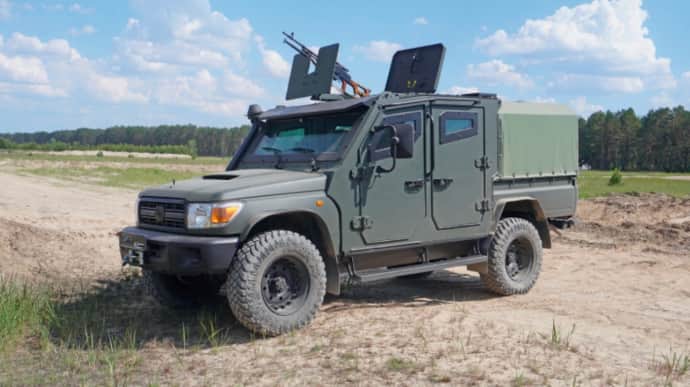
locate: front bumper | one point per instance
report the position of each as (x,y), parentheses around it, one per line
(176,254)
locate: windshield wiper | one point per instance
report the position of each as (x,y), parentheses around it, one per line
(302,150)
(277,152)
(314,166)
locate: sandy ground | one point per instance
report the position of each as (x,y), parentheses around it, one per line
(617,287)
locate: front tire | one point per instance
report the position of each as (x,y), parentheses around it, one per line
(515,256)
(276,283)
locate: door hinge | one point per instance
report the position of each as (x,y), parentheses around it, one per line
(361,223)
(482,163)
(482,206)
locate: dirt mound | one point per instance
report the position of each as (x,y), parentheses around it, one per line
(43,254)
(658,220)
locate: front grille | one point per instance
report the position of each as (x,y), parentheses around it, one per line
(162,212)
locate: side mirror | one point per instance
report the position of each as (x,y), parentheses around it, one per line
(401,140)
(404,148)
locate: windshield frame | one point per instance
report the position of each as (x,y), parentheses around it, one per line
(248,155)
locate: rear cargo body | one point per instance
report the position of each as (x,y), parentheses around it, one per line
(538,155)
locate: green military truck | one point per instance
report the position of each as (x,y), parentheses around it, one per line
(353,190)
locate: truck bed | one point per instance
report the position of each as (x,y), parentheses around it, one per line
(557,195)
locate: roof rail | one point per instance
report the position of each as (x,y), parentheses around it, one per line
(480,95)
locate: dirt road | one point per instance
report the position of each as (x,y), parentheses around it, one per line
(616,288)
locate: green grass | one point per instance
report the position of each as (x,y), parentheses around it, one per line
(23,155)
(25,311)
(135,178)
(596,183)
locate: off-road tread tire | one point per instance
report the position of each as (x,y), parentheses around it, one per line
(163,291)
(244,293)
(496,278)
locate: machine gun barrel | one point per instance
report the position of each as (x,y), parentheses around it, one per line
(341,73)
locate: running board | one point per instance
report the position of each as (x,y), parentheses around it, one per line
(392,272)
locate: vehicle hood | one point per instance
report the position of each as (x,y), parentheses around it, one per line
(240,184)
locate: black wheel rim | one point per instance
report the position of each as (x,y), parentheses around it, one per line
(519,259)
(285,285)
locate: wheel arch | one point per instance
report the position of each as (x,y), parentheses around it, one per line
(306,223)
(527,208)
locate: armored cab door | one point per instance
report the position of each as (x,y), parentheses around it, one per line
(392,204)
(458,181)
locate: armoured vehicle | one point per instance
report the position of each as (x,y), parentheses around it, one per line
(361,188)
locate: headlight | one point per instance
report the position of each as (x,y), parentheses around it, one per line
(208,215)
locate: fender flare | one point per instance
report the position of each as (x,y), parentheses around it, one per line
(525,205)
(327,248)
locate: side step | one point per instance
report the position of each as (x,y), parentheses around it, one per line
(392,272)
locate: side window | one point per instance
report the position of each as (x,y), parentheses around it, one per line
(382,149)
(456,126)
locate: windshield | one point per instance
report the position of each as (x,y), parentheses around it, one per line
(304,139)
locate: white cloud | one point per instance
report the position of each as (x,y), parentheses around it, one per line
(378,50)
(30,44)
(495,72)
(171,34)
(612,84)
(606,38)
(54,69)
(168,54)
(239,86)
(22,69)
(272,60)
(583,107)
(685,76)
(458,90)
(85,30)
(5,9)
(113,89)
(78,8)
(539,99)
(421,20)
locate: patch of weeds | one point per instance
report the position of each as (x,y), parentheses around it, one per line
(671,366)
(437,378)
(25,313)
(214,335)
(397,364)
(616,177)
(558,340)
(519,380)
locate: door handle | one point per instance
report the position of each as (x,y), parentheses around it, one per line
(414,184)
(443,182)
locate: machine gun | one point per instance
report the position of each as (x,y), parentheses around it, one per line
(340,74)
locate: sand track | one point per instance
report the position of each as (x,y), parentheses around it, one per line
(620,279)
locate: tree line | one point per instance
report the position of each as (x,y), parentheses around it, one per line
(187,139)
(657,141)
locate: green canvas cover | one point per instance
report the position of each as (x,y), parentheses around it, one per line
(537,139)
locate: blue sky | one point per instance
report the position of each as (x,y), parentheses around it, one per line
(65,65)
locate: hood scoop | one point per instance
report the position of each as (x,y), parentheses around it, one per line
(220,176)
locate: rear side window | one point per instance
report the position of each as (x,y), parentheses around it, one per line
(456,126)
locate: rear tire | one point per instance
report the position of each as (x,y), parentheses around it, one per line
(515,256)
(277,282)
(181,292)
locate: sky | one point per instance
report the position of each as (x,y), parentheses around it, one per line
(65,65)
